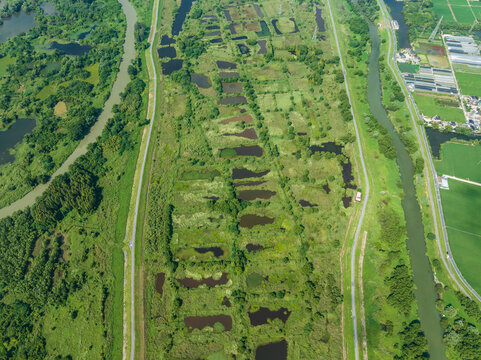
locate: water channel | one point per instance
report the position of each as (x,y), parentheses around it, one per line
(422,274)
(402,34)
(96,130)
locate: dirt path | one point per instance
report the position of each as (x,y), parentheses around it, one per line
(341,255)
(361,297)
(452,12)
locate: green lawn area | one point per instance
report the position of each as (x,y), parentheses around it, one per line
(443,10)
(477,12)
(463,14)
(461,204)
(408,68)
(458,2)
(463,161)
(430,105)
(466,250)
(469,83)
(4,62)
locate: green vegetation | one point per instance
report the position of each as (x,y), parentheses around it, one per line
(61,260)
(34,79)
(468,83)
(408,68)
(460,203)
(460,160)
(447,107)
(272,252)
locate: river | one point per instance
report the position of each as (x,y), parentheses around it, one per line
(402,34)
(96,130)
(422,275)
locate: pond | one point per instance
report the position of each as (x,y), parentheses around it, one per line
(249,133)
(230,88)
(249,183)
(258,10)
(179,19)
(213,33)
(200,80)
(16,24)
(253,248)
(247,119)
(437,138)
(72,48)
(200,322)
(13,136)
(167,52)
(263,48)
(225,65)
(319,20)
(216,40)
(159,282)
(264,29)
(225,75)
(249,195)
(233,100)
(243,150)
(272,351)
(166,40)
(251,220)
(305,203)
(172,65)
(48,8)
(215,250)
(191,283)
(243,49)
(264,314)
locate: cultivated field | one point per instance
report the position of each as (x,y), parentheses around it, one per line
(460,160)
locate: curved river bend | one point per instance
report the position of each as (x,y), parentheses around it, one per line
(96,130)
(422,274)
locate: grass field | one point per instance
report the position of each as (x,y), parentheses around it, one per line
(431,104)
(408,68)
(469,83)
(463,161)
(443,10)
(4,62)
(461,204)
(463,14)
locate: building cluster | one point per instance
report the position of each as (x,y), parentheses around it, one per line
(432,79)
(472,105)
(408,56)
(463,50)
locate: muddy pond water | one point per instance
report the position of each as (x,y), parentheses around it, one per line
(249,195)
(249,133)
(251,220)
(159,283)
(241,173)
(13,136)
(72,48)
(167,52)
(245,118)
(226,65)
(272,351)
(172,65)
(215,250)
(200,322)
(437,138)
(233,100)
(191,283)
(200,80)
(263,315)
(179,19)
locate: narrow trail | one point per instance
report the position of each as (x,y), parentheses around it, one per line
(366,195)
(139,188)
(463,180)
(361,297)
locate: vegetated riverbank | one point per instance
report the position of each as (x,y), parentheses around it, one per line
(391,317)
(422,275)
(63,273)
(74,130)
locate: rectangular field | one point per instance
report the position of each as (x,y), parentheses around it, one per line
(463,14)
(430,105)
(443,10)
(469,83)
(460,160)
(461,203)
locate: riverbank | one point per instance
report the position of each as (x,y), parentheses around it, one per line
(114,98)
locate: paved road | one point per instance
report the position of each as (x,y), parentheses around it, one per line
(463,180)
(366,194)
(447,259)
(137,202)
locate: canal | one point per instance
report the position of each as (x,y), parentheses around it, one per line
(422,275)
(96,130)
